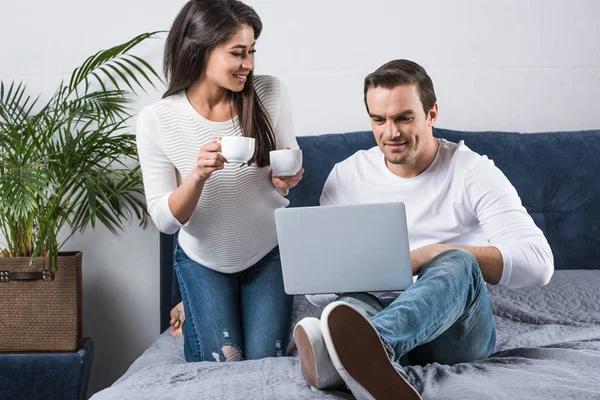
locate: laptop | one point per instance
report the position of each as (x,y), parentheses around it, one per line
(344,249)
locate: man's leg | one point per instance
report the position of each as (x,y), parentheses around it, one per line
(366,303)
(315,364)
(450,290)
(446,316)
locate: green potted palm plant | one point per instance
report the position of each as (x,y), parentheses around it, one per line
(66,164)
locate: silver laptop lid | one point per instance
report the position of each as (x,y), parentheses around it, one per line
(335,249)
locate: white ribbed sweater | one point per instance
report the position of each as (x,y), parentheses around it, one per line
(233,225)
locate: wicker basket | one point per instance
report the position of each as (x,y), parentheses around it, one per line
(40,310)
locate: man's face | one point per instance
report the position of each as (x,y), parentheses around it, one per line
(402,129)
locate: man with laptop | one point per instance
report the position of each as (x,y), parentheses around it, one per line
(459,223)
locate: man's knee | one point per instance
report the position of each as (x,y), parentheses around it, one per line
(458,261)
(461,254)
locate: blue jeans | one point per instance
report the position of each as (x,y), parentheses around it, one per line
(230,317)
(445,316)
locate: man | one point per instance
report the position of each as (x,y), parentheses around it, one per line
(466,226)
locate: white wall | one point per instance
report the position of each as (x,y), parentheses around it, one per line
(520,65)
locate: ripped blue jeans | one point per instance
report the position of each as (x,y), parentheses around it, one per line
(231,317)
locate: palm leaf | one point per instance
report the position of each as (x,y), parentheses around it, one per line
(14,109)
(116,53)
(68,164)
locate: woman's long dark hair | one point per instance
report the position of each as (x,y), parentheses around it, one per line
(199,27)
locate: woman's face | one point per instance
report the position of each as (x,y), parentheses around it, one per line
(229,64)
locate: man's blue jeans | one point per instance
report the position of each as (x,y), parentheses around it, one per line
(229,317)
(445,316)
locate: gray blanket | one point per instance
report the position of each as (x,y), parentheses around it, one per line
(548,347)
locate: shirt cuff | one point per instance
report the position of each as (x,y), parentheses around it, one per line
(164,218)
(507,270)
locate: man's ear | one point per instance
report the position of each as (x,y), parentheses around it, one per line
(433,115)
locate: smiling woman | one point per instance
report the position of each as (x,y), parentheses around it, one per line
(227,258)
(211,47)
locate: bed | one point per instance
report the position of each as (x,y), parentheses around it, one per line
(548,339)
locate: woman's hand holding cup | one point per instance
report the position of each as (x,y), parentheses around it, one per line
(209,160)
(289,165)
(286,182)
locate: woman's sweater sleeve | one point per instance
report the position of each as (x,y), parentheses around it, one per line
(284,126)
(159,174)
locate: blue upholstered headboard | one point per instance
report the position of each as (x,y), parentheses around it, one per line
(556,175)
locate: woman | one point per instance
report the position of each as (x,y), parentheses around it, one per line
(227,259)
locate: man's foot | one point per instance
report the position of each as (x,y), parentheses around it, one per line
(360,357)
(315,364)
(177,318)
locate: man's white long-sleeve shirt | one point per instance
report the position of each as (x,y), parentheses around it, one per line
(461,199)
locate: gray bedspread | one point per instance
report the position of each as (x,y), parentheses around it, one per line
(548,347)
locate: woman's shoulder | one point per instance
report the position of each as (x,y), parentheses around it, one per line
(267,87)
(158,113)
(166,105)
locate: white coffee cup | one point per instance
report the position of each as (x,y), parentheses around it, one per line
(237,149)
(286,162)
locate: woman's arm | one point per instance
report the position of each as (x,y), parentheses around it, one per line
(169,206)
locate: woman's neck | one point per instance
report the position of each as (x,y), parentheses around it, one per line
(211,101)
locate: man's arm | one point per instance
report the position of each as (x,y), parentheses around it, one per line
(489,259)
(525,254)
(519,255)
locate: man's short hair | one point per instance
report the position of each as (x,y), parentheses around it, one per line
(402,72)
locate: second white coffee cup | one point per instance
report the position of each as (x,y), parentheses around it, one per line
(286,162)
(237,149)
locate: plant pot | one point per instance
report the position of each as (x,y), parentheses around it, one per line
(40,310)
